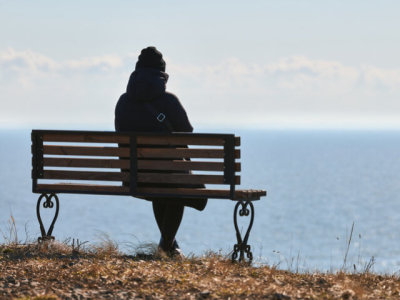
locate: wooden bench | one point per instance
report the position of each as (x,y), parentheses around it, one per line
(60,156)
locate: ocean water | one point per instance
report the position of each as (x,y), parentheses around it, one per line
(318,183)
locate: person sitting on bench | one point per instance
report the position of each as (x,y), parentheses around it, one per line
(148,107)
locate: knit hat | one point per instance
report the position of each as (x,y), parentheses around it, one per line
(150,57)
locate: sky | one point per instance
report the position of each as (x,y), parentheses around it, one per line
(255,64)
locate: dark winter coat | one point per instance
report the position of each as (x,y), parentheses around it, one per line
(149,85)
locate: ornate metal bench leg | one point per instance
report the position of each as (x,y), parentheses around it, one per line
(47,204)
(241,247)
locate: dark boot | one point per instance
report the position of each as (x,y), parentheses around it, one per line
(176,250)
(166,244)
(171,247)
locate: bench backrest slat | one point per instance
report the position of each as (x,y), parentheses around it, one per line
(86,163)
(183,178)
(142,177)
(182,153)
(142,164)
(85,138)
(86,151)
(86,175)
(85,188)
(142,152)
(148,140)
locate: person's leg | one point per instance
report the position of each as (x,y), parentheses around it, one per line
(159,212)
(171,217)
(172,220)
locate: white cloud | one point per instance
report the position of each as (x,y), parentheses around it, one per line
(313,76)
(28,61)
(34,88)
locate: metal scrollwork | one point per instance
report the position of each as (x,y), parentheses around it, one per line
(241,247)
(48,203)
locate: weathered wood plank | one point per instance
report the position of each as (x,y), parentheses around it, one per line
(85,175)
(182,153)
(86,151)
(237,141)
(86,163)
(177,140)
(177,165)
(84,188)
(124,139)
(239,194)
(85,138)
(142,177)
(183,178)
(142,152)
(185,191)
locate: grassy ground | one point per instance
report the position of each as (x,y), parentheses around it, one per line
(74,270)
(68,271)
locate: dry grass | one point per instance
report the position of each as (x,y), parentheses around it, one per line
(56,270)
(77,270)
(10,234)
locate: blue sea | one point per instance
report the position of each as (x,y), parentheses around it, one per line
(319,183)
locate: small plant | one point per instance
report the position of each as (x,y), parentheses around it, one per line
(11,234)
(105,246)
(293,263)
(347,249)
(76,249)
(369,265)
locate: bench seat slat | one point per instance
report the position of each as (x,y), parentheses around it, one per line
(148,140)
(239,194)
(142,152)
